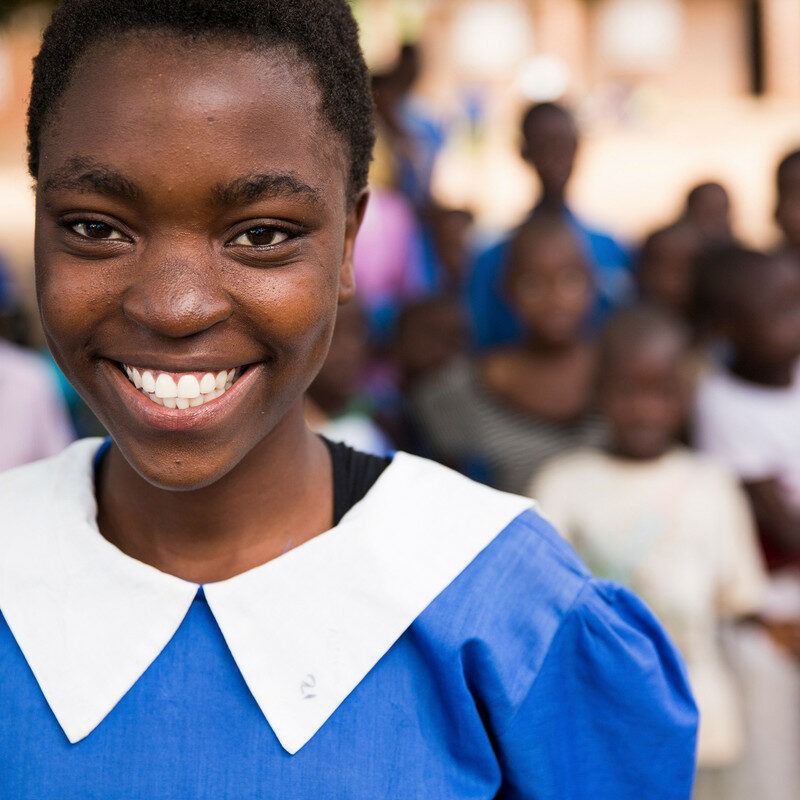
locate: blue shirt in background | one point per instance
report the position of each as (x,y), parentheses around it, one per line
(494,322)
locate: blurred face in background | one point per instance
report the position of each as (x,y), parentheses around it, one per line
(550,284)
(644,393)
(665,270)
(429,334)
(764,325)
(339,380)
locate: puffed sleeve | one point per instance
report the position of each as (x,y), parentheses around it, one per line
(610,715)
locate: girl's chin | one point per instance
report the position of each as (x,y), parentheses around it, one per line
(169,465)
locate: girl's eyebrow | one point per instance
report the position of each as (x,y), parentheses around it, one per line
(86,175)
(263,186)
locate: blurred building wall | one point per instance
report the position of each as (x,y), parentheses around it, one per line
(670,92)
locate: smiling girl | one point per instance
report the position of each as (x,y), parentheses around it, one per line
(217,603)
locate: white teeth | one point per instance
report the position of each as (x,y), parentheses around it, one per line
(208,383)
(165,387)
(188,387)
(187,392)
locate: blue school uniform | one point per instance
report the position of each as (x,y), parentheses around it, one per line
(441,642)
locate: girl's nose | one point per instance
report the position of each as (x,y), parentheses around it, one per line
(177,295)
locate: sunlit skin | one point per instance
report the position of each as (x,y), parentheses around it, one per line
(192,215)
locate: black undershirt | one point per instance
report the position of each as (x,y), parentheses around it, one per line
(354,474)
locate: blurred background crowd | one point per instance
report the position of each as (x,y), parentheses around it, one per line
(579,279)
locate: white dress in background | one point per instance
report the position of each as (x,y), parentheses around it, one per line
(678,531)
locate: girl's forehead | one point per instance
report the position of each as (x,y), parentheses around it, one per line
(137,96)
(153,68)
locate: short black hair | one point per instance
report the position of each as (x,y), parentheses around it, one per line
(322,32)
(539,111)
(695,194)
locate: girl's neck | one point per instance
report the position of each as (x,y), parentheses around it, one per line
(277,497)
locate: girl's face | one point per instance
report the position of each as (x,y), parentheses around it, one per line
(191,218)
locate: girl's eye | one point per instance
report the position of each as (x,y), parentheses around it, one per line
(261,236)
(96,230)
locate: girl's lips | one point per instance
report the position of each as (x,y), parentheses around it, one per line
(197,417)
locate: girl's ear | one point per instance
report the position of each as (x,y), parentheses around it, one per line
(347,280)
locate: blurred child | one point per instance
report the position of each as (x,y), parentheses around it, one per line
(550,145)
(787,208)
(429,335)
(335,405)
(748,411)
(35,420)
(649,513)
(664,272)
(708,211)
(448,233)
(388,259)
(748,415)
(500,415)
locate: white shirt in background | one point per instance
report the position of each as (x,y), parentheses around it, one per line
(33,419)
(678,531)
(753,429)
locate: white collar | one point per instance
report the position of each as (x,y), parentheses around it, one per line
(303,629)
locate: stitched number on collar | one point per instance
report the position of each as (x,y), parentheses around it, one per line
(307,687)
